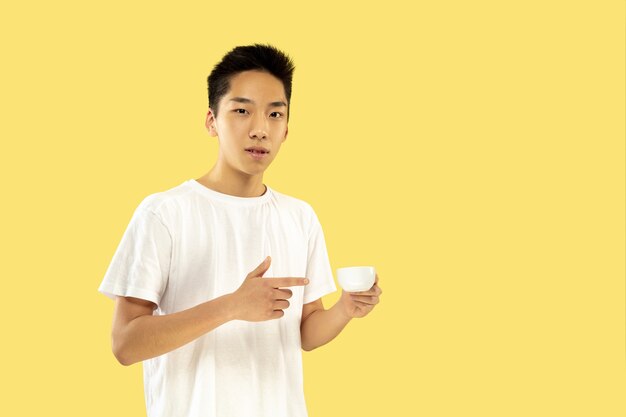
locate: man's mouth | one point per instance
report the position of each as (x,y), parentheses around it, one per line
(257,150)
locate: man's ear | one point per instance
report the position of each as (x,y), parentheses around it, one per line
(210,123)
(286,131)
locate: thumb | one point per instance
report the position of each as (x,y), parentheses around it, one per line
(261,269)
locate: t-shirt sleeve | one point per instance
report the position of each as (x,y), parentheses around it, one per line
(318,269)
(141,263)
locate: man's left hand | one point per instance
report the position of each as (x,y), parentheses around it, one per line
(359,304)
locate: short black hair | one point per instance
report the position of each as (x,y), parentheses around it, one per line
(260,57)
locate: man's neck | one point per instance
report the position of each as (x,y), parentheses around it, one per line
(235,185)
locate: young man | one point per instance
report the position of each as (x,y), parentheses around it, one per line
(218,281)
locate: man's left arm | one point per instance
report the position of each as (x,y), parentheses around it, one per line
(319,326)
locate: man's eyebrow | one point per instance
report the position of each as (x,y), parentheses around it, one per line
(247,100)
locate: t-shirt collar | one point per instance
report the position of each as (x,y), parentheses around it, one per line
(227,198)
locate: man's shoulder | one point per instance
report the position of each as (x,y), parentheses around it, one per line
(293,203)
(162,200)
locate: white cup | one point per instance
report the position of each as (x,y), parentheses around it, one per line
(356,278)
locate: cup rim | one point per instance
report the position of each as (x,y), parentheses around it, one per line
(355,267)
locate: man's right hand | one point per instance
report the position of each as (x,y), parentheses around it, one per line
(260,299)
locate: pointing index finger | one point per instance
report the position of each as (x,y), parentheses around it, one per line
(287,282)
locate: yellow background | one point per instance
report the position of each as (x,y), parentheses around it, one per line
(473,151)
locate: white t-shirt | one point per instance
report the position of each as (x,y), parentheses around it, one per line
(191,244)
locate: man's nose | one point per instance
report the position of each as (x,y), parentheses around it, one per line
(259,127)
(259,134)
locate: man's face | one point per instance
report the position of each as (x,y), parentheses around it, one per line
(252,114)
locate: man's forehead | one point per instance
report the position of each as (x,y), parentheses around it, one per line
(257,87)
(247,100)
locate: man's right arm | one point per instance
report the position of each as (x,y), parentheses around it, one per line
(138,335)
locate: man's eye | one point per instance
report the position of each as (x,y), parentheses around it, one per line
(278,114)
(240,111)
